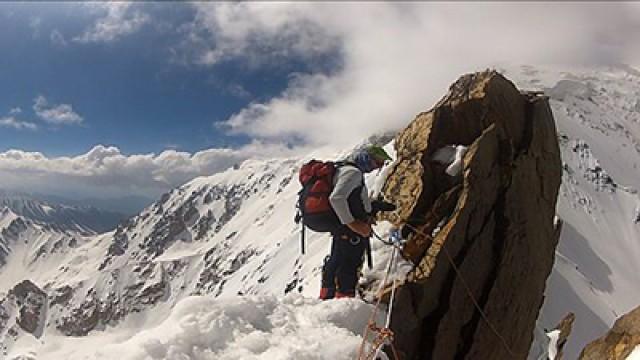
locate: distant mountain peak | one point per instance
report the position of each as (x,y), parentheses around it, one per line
(85,219)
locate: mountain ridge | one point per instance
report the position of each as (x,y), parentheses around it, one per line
(86,219)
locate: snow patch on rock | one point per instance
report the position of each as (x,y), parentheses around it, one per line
(635,354)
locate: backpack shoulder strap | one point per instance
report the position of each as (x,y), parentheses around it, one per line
(339,164)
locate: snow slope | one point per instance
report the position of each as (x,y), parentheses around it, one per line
(635,354)
(32,250)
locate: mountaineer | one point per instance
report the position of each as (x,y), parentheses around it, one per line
(353,207)
(335,199)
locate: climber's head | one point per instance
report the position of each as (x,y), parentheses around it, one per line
(371,158)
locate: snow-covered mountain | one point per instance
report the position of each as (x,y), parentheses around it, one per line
(125,205)
(85,219)
(232,234)
(224,235)
(30,249)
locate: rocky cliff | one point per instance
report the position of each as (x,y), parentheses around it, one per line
(619,342)
(23,310)
(482,241)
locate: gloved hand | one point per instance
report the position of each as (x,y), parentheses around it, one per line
(381,205)
(361,228)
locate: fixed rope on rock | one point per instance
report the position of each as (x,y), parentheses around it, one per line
(473,299)
(383,335)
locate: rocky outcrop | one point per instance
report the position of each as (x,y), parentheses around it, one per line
(22,310)
(32,302)
(619,342)
(112,304)
(563,330)
(483,241)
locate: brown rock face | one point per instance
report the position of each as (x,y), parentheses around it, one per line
(495,222)
(619,342)
(564,326)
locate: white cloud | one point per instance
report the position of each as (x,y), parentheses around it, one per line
(120,19)
(397,59)
(259,33)
(105,171)
(34,24)
(14,111)
(57,38)
(62,114)
(12,122)
(238,91)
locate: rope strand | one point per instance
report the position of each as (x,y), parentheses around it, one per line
(385,334)
(470,293)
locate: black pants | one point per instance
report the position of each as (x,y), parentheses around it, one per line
(340,270)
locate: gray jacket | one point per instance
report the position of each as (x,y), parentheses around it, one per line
(347,179)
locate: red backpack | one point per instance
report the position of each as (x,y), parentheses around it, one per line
(314,209)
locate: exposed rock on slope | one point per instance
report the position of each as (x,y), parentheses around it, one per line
(23,310)
(563,330)
(495,221)
(32,303)
(619,342)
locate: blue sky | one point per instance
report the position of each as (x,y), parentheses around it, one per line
(112,99)
(130,92)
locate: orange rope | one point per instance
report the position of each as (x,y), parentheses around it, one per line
(382,333)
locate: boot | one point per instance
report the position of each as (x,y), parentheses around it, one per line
(327,293)
(349,294)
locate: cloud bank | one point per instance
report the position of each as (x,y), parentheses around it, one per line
(105,171)
(397,58)
(259,33)
(390,61)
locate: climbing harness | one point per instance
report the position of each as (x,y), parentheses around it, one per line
(383,335)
